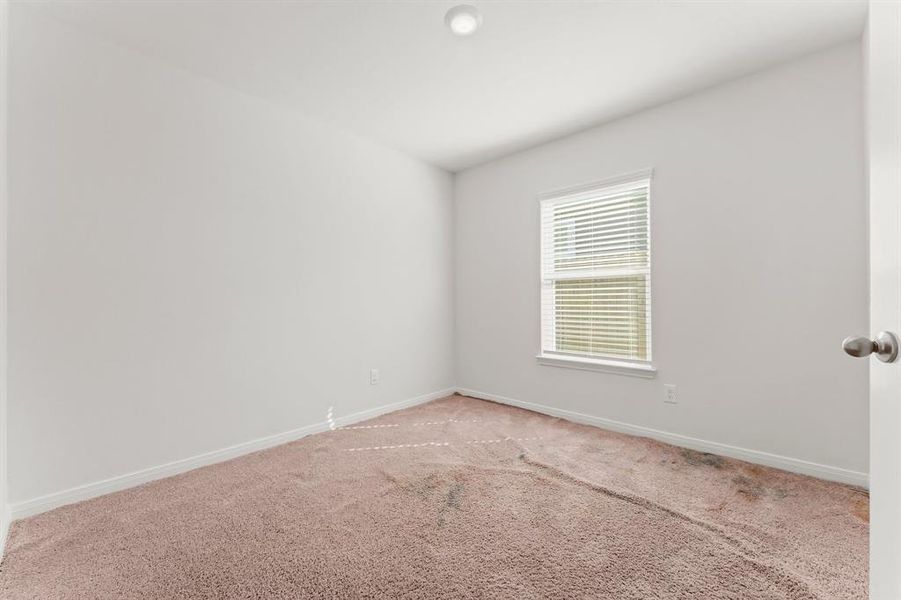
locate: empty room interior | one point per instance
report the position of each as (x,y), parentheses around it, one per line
(429,300)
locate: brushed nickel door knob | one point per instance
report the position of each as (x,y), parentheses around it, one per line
(885,346)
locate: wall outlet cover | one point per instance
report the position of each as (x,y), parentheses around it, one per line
(669,394)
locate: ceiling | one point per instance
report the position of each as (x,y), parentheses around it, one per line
(392,71)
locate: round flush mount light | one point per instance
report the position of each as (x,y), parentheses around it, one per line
(463,20)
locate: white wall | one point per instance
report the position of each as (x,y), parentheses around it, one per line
(759,265)
(4,55)
(192,268)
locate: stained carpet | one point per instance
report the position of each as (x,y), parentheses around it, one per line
(458,498)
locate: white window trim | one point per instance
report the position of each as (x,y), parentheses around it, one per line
(642,369)
(645,370)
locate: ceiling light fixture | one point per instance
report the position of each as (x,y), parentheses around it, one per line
(463,20)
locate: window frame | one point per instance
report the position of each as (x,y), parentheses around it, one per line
(607,364)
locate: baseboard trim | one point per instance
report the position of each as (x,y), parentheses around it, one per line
(785,463)
(21,510)
(5,520)
(28,508)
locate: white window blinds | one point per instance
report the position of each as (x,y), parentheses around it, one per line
(595,272)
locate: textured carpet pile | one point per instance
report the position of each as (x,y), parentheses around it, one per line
(458,498)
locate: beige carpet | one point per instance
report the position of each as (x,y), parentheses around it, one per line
(458,498)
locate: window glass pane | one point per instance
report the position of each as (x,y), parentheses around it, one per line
(602,316)
(601,235)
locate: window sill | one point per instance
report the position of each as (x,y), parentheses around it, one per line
(617,367)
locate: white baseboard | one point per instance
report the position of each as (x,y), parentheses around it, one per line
(785,463)
(41,504)
(5,520)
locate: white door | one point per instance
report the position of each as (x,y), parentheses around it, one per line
(883,90)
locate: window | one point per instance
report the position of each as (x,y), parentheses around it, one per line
(596,276)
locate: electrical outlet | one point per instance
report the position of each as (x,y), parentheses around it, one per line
(669,391)
(374,376)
